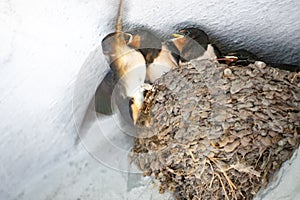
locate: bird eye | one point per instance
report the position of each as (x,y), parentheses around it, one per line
(184,32)
(127,37)
(131,101)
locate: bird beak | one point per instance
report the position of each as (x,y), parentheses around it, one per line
(135,112)
(135,105)
(135,42)
(228,59)
(128,37)
(177,35)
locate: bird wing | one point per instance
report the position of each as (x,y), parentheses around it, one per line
(192,50)
(103,94)
(173,49)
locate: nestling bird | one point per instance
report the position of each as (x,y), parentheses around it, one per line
(193,43)
(244,58)
(160,56)
(238,57)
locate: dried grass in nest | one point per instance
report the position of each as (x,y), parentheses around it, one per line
(217,132)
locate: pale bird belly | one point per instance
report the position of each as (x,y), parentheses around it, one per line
(208,54)
(161,65)
(134,80)
(155,71)
(132,71)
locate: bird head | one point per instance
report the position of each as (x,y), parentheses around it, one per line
(192,33)
(113,43)
(183,36)
(179,40)
(147,43)
(135,105)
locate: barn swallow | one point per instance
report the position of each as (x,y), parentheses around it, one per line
(163,63)
(160,56)
(239,57)
(146,42)
(193,43)
(128,66)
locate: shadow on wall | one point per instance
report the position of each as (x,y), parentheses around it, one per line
(90,75)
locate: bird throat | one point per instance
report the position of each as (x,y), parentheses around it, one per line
(180,42)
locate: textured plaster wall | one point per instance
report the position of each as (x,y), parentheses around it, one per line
(50,48)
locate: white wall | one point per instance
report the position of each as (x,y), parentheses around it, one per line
(50,48)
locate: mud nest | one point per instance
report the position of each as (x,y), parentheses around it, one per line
(211,131)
